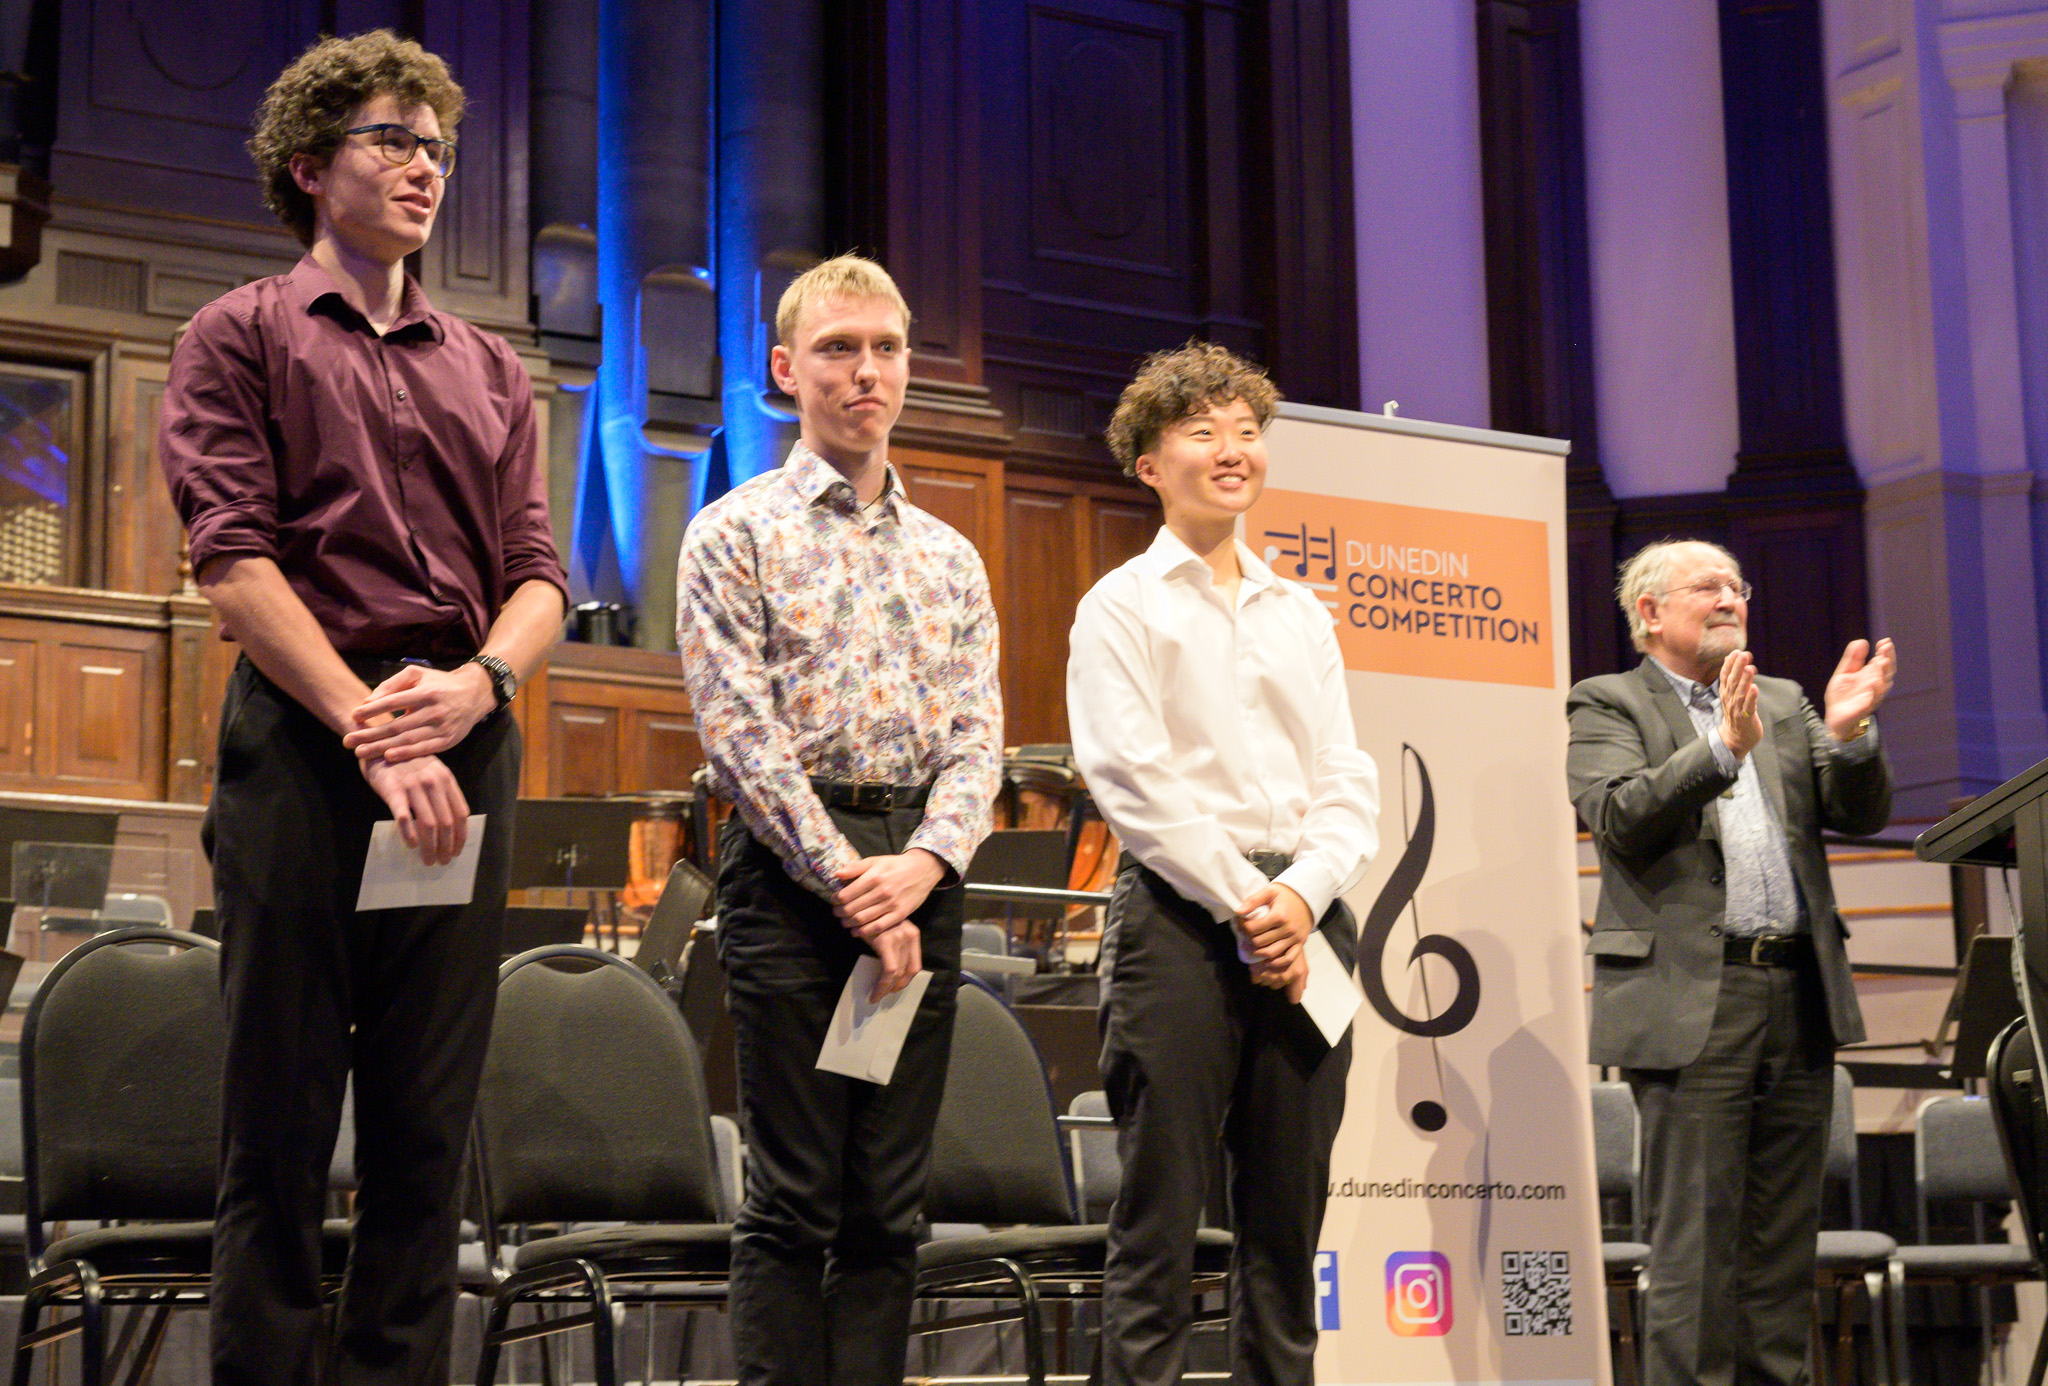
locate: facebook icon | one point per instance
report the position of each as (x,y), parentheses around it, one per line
(1327,1316)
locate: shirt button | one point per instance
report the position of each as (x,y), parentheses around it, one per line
(401,394)
(1715,878)
(1714,929)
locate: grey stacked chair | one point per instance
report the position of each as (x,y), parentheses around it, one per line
(1849,1258)
(1957,1159)
(1618,1171)
(1092,1155)
(592,1111)
(996,1161)
(120,1099)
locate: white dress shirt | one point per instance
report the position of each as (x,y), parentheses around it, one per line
(1205,733)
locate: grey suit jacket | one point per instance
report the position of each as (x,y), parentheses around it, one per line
(1648,788)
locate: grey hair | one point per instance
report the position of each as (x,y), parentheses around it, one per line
(1645,575)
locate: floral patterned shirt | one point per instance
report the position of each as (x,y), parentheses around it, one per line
(823,639)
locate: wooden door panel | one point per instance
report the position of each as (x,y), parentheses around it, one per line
(19,665)
(107,717)
(1038,609)
(583,749)
(661,748)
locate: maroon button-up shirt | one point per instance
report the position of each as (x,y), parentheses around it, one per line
(395,480)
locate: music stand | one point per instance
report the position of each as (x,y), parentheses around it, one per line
(2008,827)
(1986,1000)
(1025,857)
(573,844)
(536,926)
(684,899)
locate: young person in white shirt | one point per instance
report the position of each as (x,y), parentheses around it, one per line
(1208,711)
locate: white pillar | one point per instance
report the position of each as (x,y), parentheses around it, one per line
(1657,227)
(1422,335)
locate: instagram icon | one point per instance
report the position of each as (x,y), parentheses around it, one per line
(1418,1294)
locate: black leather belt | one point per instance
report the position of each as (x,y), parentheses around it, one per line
(1270,864)
(870,796)
(1768,950)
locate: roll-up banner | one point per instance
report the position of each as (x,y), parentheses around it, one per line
(1462,1242)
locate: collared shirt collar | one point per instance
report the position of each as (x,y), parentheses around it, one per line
(815,479)
(1687,689)
(1170,555)
(310,284)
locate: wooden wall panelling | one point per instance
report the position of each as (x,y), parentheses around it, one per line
(1539,284)
(20,676)
(1312,344)
(582,746)
(1121,527)
(154,105)
(965,492)
(144,536)
(105,703)
(195,679)
(477,262)
(1044,534)
(529,710)
(660,750)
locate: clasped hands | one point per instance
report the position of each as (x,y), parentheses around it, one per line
(875,899)
(1858,686)
(400,731)
(1277,923)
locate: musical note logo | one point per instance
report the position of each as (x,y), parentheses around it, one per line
(1398,897)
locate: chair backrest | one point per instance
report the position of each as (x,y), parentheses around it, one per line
(2014,1078)
(981,936)
(121,1055)
(592,1103)
(996,1149)
(1098,1169)
(1617,1146)
(1841,1160)
(1956,1154)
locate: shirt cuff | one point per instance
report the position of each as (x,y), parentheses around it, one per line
(1724,757)
(1311,881)
(1857,751)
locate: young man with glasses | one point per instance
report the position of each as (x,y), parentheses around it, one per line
(359,476)
(840,649)
(1721,986)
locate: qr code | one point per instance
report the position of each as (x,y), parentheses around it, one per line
(1536,1292)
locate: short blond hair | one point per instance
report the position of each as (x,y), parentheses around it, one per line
(1178,384)
(1645,575)
(842,276)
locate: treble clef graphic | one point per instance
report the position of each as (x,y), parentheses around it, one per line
(1396,896)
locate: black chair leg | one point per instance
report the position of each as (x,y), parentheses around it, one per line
(24,1356)
(92,1329)
(603,1341)
(2040,1360)
(487,1356)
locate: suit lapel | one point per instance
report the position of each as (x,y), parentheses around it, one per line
(1769,764)
(1665,699)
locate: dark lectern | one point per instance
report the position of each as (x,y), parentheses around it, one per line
(2008,828)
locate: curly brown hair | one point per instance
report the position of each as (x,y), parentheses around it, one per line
(309,105)
(1171,385)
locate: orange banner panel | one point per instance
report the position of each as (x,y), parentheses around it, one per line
(1442,594)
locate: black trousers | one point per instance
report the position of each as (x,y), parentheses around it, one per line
(1734,1147)
(314,990)
(1190,1048)
(824,1252)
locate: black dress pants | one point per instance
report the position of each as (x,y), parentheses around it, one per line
(1734,1148)
(824,1252)
(314,990)
(1190,1048)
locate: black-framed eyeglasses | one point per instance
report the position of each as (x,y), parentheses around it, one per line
(1707,589)
(399,145)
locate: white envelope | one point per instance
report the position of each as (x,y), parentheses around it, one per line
(395,877)
(865,1037)
(1332,997)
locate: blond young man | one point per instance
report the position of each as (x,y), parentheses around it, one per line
(359,476)
(840,649)
(1207,704)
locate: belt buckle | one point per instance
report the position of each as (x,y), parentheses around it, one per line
(872,795)
(1756,951)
